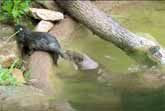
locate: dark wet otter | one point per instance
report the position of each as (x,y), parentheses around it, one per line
(29,41)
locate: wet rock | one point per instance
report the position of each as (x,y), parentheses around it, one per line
(104,77)
(87,63)
(44,26)
(48,15)
(29,98)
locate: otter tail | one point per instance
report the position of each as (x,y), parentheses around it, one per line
(58,53)
(55,57)
(69,55)
(72,56)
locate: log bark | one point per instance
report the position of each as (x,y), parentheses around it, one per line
(106,28)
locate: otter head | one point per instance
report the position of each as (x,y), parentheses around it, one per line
(21,32)
(19,28)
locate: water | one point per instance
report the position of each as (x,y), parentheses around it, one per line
(116,88)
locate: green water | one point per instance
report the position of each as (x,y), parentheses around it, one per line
(115,88)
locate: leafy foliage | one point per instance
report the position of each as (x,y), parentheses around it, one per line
(6,77)
(13,10)
(27,74)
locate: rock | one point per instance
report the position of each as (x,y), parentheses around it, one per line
(81,61)
(87,63)
(29,98)
(18,74)
(64,29)
(45,14)
(24,98)
(6,61)
(8,53)
(5,30)
(49,4)
(44,26)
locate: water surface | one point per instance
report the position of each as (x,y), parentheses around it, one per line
(113,87)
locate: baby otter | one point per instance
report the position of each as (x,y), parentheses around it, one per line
(29,41)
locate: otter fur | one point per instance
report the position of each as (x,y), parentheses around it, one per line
(29,41)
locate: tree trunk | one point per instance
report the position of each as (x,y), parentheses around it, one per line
(106,28)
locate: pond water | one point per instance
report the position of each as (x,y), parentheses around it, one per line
(113,87)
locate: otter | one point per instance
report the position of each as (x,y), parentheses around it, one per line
(29,41)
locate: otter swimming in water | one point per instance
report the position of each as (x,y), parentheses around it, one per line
(29,41)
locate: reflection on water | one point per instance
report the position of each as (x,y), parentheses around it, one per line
(113,87)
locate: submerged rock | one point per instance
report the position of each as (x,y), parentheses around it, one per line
(25,98)
(29,98)
(45,14)
(87,63)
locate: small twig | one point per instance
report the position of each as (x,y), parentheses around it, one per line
(12,36)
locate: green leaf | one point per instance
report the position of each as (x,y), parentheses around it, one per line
(13,10)
(7,5)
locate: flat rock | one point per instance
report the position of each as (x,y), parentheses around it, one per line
(44,26)
(29,98)
(45,14)
(23,98)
